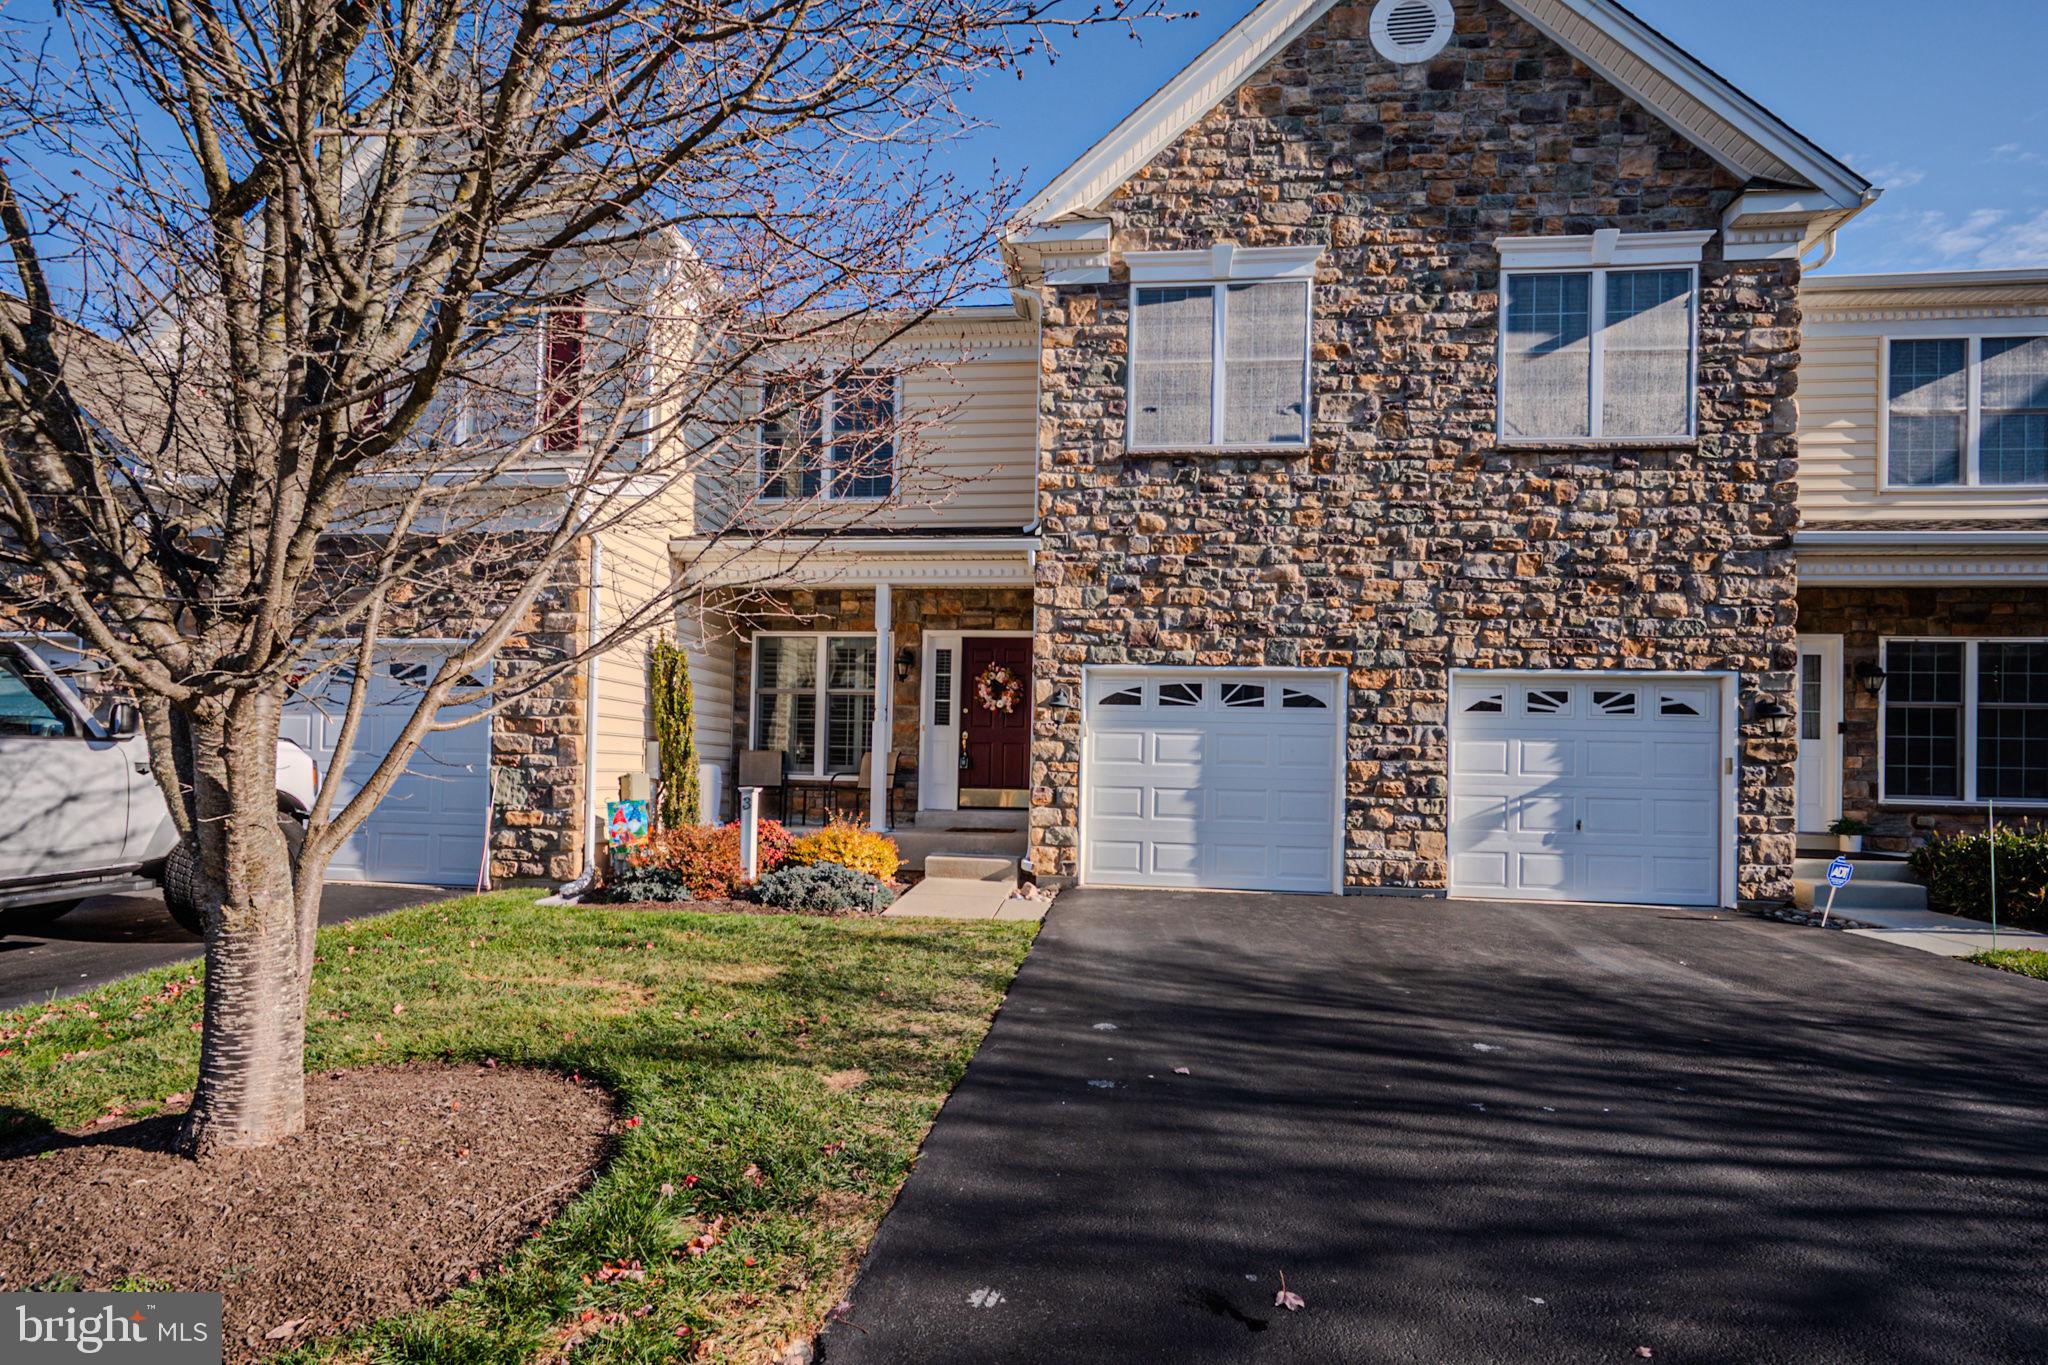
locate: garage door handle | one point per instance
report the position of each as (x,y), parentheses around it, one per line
(1579,825)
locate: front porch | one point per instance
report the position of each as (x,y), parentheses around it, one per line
(1923,670)
(882,678)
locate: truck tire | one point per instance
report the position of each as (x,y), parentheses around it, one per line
(182,880)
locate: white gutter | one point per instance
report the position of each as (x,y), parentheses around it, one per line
(829,545)
(1931,541)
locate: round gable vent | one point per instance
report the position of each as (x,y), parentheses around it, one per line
(1410,31)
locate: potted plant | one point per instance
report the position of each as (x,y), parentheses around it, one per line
(1849,832)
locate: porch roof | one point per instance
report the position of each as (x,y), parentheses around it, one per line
(1834,554)
(997,559)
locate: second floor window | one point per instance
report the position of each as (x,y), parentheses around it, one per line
(1966,411)
(1219,365)
(1597,355)
(858,460)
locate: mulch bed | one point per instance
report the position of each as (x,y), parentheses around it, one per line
(406,1180)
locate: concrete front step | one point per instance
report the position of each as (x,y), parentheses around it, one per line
(916,844)
(1874,895)
(971,867)
(1867,869)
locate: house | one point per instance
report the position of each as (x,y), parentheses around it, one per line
(1923,550)
(1412,464)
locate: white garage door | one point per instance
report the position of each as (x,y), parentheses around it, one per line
(430,827)
(1601,789)
(1226,780)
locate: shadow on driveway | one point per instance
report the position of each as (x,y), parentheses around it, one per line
(1474,1132)
(110,937)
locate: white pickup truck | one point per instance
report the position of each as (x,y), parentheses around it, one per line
(80,813)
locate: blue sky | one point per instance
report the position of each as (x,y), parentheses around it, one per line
(1944,105)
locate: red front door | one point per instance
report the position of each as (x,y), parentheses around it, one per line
(995,744)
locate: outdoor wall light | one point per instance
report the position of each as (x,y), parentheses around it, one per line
(906,663)
(1770,709)
(1870,678)
(1062,699)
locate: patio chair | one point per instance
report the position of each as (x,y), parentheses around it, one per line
(859,783)
(764,768)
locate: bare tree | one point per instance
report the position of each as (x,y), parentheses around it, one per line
(411,297)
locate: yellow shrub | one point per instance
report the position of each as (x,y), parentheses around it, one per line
(849,845)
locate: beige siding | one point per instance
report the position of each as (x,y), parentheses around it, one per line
(1841,408)
(635,577)
(971,459)
(967,448)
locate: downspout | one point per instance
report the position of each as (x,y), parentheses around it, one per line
(1827,251)
(588,877)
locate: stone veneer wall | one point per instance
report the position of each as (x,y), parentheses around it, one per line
(852,610)
(1406,543)
(1864,616)
(538,743)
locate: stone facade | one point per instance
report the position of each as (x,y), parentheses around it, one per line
(852,611)
(1406,541)
(1865,616)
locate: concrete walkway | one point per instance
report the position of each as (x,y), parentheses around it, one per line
(1948,935)
(963,898)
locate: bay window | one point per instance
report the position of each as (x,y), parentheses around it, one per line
(1965,720)
(1599,336)
(838,441)
(1219,348)
(814,699)
(1966,411)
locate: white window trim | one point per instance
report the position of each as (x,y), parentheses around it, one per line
(821,692)
(1973,415)
(1215,269)
(1971,798)
(828,404)
(1596,255)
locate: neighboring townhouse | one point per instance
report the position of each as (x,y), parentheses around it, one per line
(1923,551)
(1415,466)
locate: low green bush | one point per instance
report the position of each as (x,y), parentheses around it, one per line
(823,889)
(633,883)
(1957,871)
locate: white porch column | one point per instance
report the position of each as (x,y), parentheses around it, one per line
(885,709)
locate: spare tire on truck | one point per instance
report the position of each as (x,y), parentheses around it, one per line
(184,885)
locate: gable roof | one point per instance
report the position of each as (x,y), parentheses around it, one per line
(1697,103)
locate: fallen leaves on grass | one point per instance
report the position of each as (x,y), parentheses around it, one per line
(713,1234)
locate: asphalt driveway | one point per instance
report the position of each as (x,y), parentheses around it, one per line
(110,937)
(1471,1132)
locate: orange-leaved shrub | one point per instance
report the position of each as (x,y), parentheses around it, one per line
(706,858)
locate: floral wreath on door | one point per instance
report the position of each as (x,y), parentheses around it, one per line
(998,689)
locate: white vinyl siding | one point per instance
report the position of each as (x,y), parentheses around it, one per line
(1598,355)
(1219,365)
(1844,415)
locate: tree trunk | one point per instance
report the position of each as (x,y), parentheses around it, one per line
(252,1082)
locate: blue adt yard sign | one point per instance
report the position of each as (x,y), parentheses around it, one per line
(1840,871)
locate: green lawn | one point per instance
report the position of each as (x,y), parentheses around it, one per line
(2026,961)
(737,1040)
